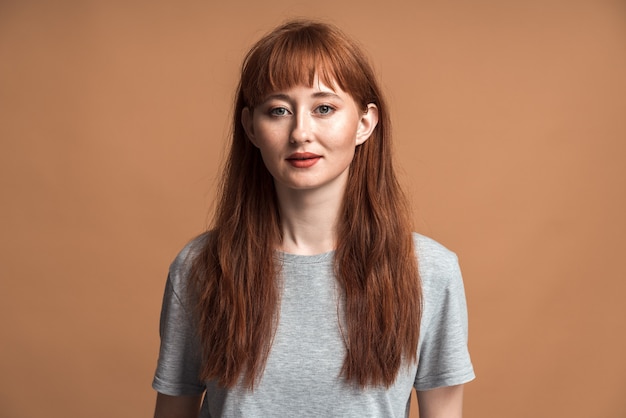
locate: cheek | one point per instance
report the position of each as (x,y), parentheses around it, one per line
(268,135)
(270,152)
(347,139)
(262,140)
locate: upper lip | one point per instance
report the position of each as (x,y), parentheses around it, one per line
(302,156)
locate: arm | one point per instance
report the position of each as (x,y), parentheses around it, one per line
(177,406)
(444,402)
(179,361)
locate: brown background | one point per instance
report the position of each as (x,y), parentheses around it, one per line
(510,125)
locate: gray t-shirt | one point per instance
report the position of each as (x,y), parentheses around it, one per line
(301,377)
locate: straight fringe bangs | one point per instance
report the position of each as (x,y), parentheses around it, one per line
(280,62)
(235,274)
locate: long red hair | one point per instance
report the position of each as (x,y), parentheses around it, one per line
(234,273)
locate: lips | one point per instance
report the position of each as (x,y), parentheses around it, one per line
(303,159)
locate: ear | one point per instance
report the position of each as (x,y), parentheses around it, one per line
(248,125)
(368,122)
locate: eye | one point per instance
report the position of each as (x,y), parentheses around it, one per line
(324,109)
(279,111)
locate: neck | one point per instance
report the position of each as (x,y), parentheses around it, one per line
(308,220)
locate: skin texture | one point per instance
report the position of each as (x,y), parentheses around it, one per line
(319,120)
(446,402)
(324,122)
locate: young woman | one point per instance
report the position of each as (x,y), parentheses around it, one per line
(305,298)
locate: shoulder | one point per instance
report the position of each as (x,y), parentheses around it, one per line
(438,266)
(431,255)
(179,268)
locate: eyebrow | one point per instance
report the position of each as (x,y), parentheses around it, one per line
(316,95)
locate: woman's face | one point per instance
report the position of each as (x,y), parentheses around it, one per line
(307,135)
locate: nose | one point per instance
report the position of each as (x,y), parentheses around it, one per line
(301,129)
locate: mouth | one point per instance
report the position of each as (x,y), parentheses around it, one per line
(302,156)
(303,159)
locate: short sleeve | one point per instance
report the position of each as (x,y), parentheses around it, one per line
(444,358)
(179,363)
